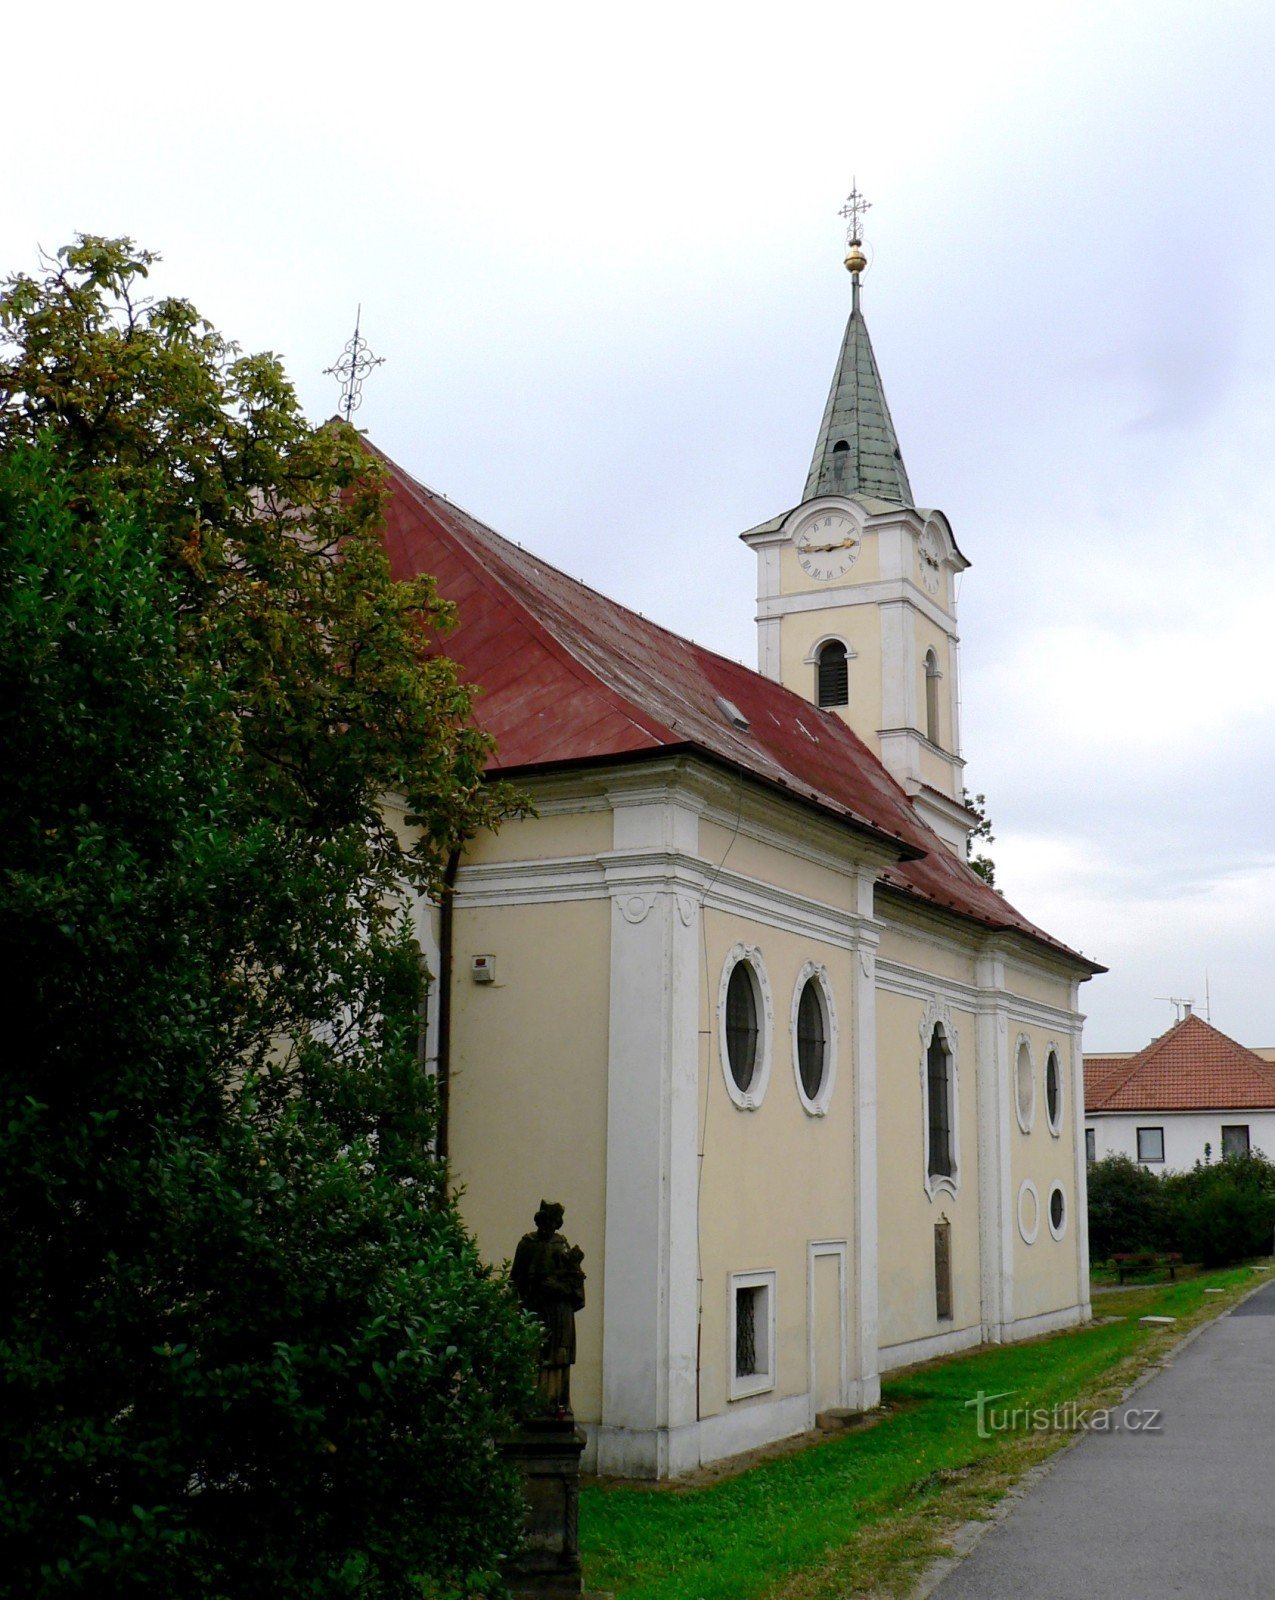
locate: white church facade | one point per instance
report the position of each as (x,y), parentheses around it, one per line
(810,1091)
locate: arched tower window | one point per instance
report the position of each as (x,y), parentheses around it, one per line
(832,673)
(932,675)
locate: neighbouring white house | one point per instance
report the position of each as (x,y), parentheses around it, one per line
(809,1090)
(1191,1095)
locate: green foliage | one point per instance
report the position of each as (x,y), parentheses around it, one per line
(246,1347)
(1126,1208)
(983,865)
(1214,1214)
(1222,1212)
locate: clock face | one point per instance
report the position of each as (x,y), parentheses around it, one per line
(828,544)
(929,556)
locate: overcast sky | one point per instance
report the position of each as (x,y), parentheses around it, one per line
(599,249)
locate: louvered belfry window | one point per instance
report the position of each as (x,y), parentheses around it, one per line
(812,1042)
(938,1081)
(741,1026)
(834,674)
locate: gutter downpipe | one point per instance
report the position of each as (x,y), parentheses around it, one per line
(445,918)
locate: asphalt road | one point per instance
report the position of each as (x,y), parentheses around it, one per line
(1184,1505)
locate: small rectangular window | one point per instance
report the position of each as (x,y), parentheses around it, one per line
(752,1333)
(943,1269)
(1234,1139)
(1150,1144)
(1091,1150)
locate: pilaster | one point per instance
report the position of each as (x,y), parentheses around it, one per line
(1080,1192)
(864,1387)
(649,1279)
(995,1177)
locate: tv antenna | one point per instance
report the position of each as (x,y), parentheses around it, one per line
(1181,1007)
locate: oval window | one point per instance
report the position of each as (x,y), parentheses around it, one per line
(1024,1086)
(741,1025)
(812,1039)
(1053,1091)
(1057,1212)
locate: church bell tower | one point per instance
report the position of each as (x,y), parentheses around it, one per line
(856,603)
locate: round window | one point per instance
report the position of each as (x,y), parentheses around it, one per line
(742,1025)
(1024,1086)
(1057,1211)
(1053,1091)
(812,1039)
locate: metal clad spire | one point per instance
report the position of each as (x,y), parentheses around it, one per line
(857,451)
(355,363)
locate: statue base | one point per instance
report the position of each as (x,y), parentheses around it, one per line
(547,1451)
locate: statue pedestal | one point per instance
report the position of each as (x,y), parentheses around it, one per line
(548,1453)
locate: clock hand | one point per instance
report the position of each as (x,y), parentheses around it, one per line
(845,544)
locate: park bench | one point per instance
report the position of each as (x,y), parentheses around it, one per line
(1146,1261)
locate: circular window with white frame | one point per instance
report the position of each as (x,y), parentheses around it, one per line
(814,1038)
(1057,1211)
(1028,1211)
(745,1016)
(1024,1084)
(1053,1091)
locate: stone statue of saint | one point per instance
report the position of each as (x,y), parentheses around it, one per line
(547,1278)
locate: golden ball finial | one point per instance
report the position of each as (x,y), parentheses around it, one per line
(856,261)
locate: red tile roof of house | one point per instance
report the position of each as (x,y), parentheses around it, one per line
(1192,1067)
(569,677)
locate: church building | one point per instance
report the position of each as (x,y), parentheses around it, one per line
(810,1091)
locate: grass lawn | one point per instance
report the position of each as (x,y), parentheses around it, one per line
(865,1512)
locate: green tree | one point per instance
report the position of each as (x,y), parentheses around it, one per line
(1126,1208)
(246,1345)
(982,832)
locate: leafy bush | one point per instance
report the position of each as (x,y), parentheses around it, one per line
(1222,1212)
(1126,1208)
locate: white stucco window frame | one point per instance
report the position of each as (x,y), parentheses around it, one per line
(939,1013)
(760,1382)
(1026,1118)
(747,1099)
(1061,1229)
(1054,1124)
(818,1106)
(1027,1191)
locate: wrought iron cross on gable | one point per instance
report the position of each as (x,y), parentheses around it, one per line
(354,365)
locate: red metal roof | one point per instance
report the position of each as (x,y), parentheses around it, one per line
(567,676)
(1192,1067)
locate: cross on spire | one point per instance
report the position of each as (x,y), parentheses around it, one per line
(853,211)
(354,365)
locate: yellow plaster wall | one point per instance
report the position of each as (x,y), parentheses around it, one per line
(774,1179)
(1045,1271)
(860,627)
(907,1215)
(753,858)
(924,955)
(550,838)
(529,1090)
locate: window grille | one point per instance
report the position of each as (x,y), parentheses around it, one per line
(746,1331)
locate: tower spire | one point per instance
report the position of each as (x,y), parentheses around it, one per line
(857,451)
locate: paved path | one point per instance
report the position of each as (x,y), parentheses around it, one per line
(1188,1510)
